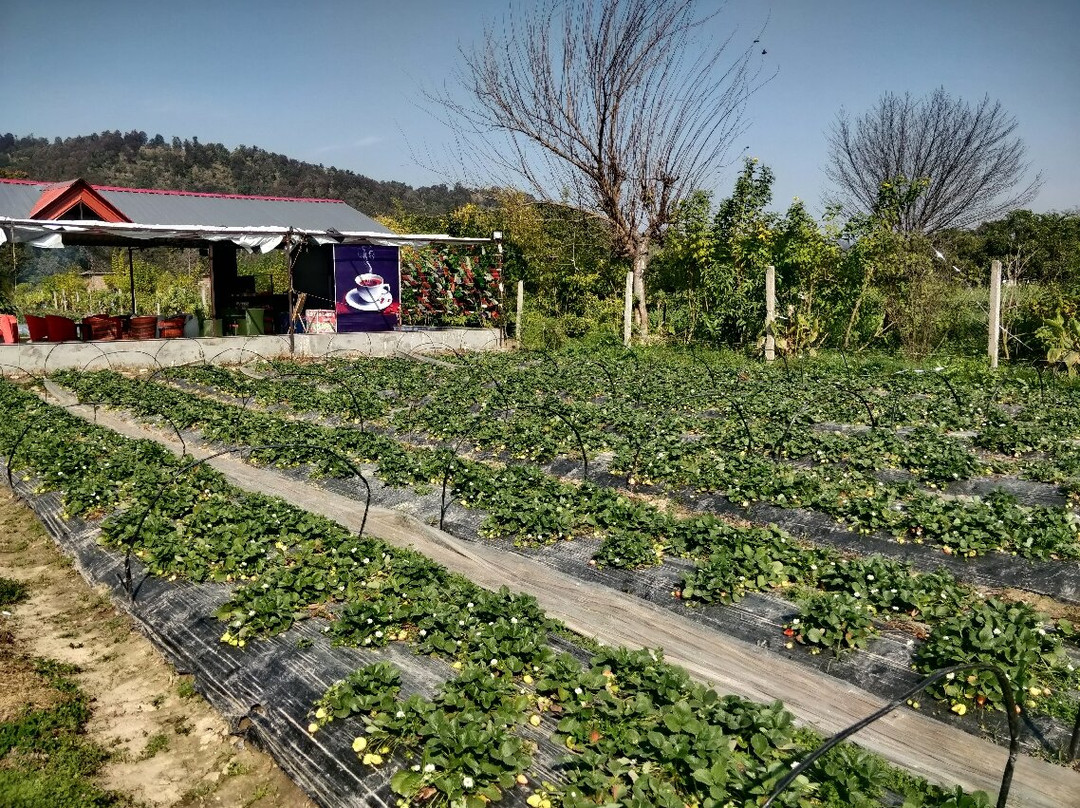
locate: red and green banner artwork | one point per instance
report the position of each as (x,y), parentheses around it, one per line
(450,286)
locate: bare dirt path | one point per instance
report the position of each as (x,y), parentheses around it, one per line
(922,745)
(170,748)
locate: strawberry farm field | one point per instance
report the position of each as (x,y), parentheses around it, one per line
(857,524)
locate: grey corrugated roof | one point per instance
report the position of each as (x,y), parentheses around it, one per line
(180,208)
(17,198)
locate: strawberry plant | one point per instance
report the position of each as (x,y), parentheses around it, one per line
(890,586)
(837,621)
(731,572)
(461,740)
(639,732)
(370,689)
(1011,635)
(628,551)
(850,776)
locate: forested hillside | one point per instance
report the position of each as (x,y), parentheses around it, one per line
(136,160)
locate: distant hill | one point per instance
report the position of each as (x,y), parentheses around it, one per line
(136,160)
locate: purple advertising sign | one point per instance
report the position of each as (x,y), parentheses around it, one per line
(367,283)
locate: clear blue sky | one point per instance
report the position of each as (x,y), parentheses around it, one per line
(340,82)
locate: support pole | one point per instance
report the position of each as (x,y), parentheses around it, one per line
(770,312)
(995,312)
(497,236)
(628,309)
(131,278)
(291,260)
(519,309)
(8,284)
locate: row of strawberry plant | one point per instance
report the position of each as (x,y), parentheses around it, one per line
(839,606)
(849,492)
(687,743)
(773,406)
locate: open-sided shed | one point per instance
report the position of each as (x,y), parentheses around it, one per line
(319,235)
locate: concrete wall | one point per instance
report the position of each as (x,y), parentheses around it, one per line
(42,357)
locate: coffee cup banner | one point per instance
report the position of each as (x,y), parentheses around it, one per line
(367,287)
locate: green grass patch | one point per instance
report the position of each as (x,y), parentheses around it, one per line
(48,762)
(12,592)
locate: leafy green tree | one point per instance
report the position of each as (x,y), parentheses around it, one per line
(676,272)
(807,257)
(745,234)
(1041,247)
(713,265)
(897,264)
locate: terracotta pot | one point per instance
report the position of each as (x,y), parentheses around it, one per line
(143,328)
(173,327)
(102,327)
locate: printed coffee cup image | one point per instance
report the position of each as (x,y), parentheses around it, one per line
(371,287)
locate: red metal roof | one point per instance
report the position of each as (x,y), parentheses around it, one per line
(174,192)
(214,196)
(57,200)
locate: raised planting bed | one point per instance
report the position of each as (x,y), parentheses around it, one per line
(457,693)
(427,467)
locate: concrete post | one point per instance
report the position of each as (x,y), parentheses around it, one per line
(995,312)
(628,309)
(520,308)
(770,312)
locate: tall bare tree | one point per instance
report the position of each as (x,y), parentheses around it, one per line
(968,155)
(620,107)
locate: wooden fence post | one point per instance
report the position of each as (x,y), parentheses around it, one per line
(520,306)
(770,312)
(995,312)
(628,308)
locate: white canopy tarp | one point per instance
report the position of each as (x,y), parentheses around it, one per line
(50,234)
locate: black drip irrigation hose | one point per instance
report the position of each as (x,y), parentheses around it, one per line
(1010,707)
